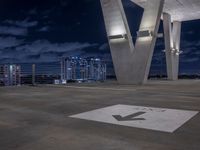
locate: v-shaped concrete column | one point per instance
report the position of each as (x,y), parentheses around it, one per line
(131,64)
(172,46)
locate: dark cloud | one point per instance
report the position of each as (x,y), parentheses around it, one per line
(190,60)
(11,30)
(104,47)
(40,46)
(33,11)
(23,24)
(41,50)
(44,29)
(6,42)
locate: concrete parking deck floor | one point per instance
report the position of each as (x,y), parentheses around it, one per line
(36,118)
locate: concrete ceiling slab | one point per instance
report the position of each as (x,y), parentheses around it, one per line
(180,10)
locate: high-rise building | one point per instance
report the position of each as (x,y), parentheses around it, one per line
(97,70)
(74,68)
(10,75)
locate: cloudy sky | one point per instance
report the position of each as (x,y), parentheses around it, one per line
(45,30)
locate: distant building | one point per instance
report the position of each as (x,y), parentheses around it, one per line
(78,69)
(10,75)
(97,70)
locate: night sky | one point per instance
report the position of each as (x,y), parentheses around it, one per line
(45,30)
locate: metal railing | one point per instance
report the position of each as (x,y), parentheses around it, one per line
(47,73)
(32,74)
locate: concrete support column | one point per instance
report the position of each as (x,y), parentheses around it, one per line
(119,38)
(145,43)
(33,74)
(172,46)
(168,44)
(176,32)
(131,64)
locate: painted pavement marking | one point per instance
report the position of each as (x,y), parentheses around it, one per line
(159,119)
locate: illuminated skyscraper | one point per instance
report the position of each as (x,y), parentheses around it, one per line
(10,75)
(75,68)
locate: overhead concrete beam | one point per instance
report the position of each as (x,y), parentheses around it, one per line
(172,45)
(180,10)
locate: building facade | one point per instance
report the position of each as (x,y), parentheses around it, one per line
(79,69)
(10,75)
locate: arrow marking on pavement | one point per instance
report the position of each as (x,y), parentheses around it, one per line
(130,117)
